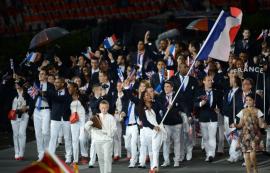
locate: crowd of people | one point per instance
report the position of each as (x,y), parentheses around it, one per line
(96,102)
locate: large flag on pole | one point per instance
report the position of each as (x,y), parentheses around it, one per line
(218,42)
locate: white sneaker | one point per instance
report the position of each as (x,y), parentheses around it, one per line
(231,160)
(165,164)
(244,164)
(176,164)
(189,156)
(131,165)
(207,159)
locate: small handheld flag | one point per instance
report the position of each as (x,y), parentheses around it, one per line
(170,73)
(11,64)
(31,57)
(33,91)
(109,42)
(120,74)
(172,50)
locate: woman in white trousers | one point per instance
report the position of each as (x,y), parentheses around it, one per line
(21,105)
(77,128)
(152,134)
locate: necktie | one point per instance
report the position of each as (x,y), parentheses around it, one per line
(59,93)
(209,97)
(230,96)
(39,98)
(183,85)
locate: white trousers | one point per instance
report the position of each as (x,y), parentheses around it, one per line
(153,142)
(143,147)
(84,143)
(187,139)
(55,128)
(77,129)
(60,135)
(93,153)
(19,134)
(233,152)
(117,141)
(131,142)
(209,131)
(104,151)
(42,130)
(173,133)
(267,140)
(220,134)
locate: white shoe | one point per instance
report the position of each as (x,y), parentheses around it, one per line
(68,160)
(207,159)
(165,164)
(176,164)
(244,164)
(131,165)
(189,156)
(231,160)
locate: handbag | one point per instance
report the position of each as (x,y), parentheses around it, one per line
(74,117)
(12,115)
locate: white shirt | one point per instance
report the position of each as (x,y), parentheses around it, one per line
(18,102)
(94,70)
(186,80)
(259,114)
(44,102)
(108,128)
(118,103)
(151,117)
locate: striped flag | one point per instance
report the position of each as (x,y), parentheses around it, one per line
(33,91)
(218,42)
(109,41)
(31,57)
(88,54)
(120,74)
(172,50)
(263,34)
(170,73)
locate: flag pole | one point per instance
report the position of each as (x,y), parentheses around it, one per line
(191,67)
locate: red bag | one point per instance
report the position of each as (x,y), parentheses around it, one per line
(12,115)
(74,117)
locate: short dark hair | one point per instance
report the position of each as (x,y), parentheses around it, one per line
(238,81)
(169,82)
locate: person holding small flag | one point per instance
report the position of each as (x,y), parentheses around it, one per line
(20,108)
(208,102)
(41,113)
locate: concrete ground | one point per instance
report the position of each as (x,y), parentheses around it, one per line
(220,165)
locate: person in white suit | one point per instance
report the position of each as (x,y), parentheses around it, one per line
(103,137)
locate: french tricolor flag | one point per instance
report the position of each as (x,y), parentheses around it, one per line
(170,73)
(218,42)
(172,50)
(30,57)
(262,35)
(109,41)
